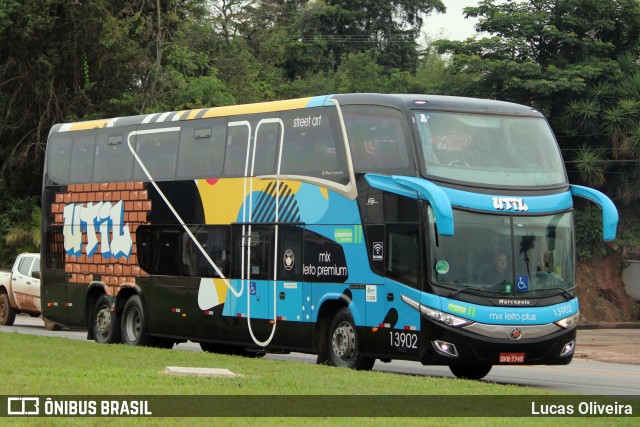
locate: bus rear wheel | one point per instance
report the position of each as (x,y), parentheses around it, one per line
(470,372)
(134,323)
(342,343)
(105,326)
(7,313)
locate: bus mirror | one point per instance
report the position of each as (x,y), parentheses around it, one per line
(609,211)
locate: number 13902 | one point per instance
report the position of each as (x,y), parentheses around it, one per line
(403,339)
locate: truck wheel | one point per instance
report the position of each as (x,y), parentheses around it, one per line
(7,313)
(342,343)
(50,326)
(134,323)
(105,323)
(470,372)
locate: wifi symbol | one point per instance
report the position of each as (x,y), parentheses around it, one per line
(377,250)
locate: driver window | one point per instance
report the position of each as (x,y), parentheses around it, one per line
(403,253)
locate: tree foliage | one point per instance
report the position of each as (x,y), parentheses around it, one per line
(61,61)
(544,53)
(576,61)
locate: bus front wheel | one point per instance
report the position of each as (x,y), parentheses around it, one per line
(342,343)
(470,372)
(106,329)
(134,323)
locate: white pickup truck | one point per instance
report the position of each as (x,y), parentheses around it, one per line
(20,289)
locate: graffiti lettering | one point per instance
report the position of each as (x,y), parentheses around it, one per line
(103,218)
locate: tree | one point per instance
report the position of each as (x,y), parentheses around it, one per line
(545,52)
(27,233)
(319,34)
(605,124)
(576,61)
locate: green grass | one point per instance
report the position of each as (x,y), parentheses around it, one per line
(55,366)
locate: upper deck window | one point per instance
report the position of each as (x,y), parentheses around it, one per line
(313,145)
(113,159)
(378,138)
(157,154)
(201,152)
(486,149)
(59,158)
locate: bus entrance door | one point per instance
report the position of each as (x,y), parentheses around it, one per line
(253,262)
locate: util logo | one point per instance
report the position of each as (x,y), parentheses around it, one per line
(103,218)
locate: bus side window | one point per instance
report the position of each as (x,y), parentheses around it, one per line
(157,153)
(267,142)
(159,249)
(201,152)
(216,242)
(113,160)
(59,158)
(82,155)
(378,139)
(403,253)
(236,153)
(313,144)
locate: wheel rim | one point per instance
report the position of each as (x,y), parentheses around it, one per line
(103,322)
(343,341)
(3,308)
(133,324)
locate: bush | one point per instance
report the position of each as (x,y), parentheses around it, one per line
(589,241)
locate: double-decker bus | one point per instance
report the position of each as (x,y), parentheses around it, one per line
(356,227)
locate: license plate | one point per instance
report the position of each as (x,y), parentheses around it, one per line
(511,357)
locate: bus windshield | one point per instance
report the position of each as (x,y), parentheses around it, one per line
(489,149)
(504,255)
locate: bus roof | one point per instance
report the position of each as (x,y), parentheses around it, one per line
(400,101)
(439,102)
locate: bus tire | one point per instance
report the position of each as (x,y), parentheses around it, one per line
(7,313)
(105,323)
(343,349)
(470,372)
(134,323)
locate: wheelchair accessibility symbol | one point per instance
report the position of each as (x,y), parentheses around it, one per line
(252,288)
(522,283)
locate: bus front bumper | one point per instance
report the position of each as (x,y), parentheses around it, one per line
(444,345)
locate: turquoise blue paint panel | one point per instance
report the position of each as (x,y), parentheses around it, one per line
(407,315)
(319,101)
(291,308)
(501,203)
(255,301)
(420,188)
(510,315)
(609,211)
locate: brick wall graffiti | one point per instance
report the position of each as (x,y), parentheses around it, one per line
(99,226)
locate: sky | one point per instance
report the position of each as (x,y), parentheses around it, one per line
(451,25)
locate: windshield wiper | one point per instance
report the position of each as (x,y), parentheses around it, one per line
(472,288)
(565,293)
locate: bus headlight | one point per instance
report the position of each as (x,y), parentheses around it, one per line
(446,318)
(569,322)
(437,315)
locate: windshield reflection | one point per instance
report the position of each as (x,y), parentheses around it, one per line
(505,255)
(495,150)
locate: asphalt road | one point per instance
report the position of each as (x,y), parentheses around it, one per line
(582,376)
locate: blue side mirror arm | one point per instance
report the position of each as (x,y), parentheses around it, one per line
(418,188)
(609,211)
